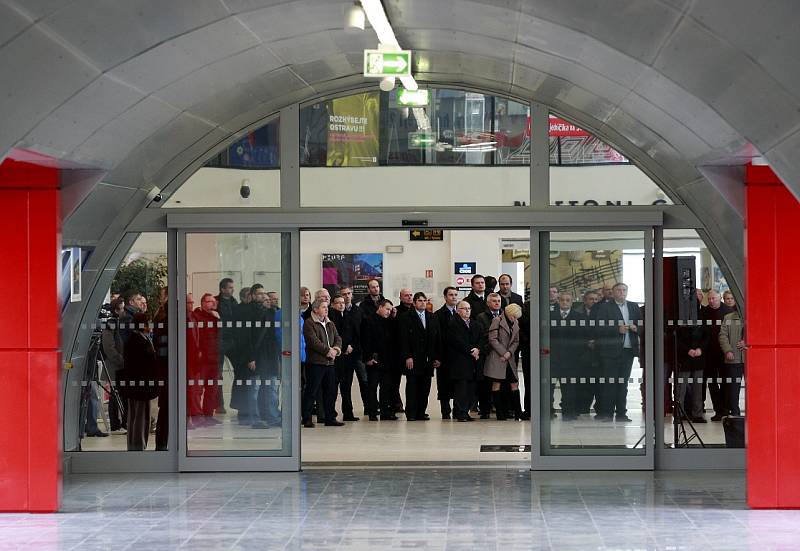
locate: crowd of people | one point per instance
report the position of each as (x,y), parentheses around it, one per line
(472,346)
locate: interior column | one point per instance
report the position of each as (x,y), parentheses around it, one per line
(773,361)
(30,389)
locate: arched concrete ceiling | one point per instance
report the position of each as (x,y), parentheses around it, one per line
(144,88)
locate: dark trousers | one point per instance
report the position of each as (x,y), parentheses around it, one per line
(484,388)
(615,393)
(730,391)
(363,384)
(525,356)
(395,376)
(116,414)
(324,377)
(569,395)
(378,382)
(711,372)
(344,379)
(444,390)
(463,396)
(418,388)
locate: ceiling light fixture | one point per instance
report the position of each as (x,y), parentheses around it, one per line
(386,38)
(387,84)
(356,18)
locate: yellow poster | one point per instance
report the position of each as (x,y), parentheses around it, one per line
(353,130)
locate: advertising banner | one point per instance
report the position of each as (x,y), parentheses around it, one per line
(353,270)
(353,124)
(562,129)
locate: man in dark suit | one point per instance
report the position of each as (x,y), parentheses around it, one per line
(588,391)
(378,354)
(262,357)
(506,294)
(443,316)
(463,356)
(568,343)
(356,314)
(419,348)
(477,296)
(617,344)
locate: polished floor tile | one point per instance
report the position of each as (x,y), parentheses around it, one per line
(429,509)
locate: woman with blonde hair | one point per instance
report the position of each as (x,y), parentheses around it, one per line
(500,365)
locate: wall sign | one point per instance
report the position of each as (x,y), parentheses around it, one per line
(426,235)
(467,268)
(353,270)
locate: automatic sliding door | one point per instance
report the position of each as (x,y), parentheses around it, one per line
(236,343)
(594,398)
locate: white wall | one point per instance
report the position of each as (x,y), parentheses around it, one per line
(220,187)
(408,268)
(603,183)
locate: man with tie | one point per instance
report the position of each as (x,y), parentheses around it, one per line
(493,310)
(463,356)
(617,344)
(419,348)
(444,385)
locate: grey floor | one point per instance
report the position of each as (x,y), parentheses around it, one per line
(406,509)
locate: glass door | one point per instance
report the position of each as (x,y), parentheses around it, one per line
(592,308)
(237,343)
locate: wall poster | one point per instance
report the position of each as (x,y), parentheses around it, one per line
(353,124)
(351,269)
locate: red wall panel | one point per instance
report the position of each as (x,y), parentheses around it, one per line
(773,377)
(30,388)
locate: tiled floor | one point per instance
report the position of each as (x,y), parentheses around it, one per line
(444,509)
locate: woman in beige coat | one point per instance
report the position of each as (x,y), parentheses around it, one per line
(500,365)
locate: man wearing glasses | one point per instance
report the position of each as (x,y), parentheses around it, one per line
(464,356)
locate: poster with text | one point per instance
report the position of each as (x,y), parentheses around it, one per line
(353,130)
(353,270)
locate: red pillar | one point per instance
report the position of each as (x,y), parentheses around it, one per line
(30,389)
(772,234)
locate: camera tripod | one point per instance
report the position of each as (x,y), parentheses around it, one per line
(93,379)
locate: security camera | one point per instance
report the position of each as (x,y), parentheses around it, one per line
(244,191)
(155,194)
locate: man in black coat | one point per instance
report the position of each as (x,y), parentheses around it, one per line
(568,344)
(226,305)
(369,303)
(346,362)
(617,344)
(477,296)
(262,357)
(443,316)
(419,349)
(378,354)
(506,294)
(463,355)
(356,314)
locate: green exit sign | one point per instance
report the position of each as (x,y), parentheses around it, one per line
(413,98)
(381,63)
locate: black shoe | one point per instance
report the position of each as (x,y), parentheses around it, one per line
(602,417)
(553,416)
(373,417)
(334,424)
(445,416)
(465,419)
(97,433)
(308,425)
(699,419)
(484,416)
(425,417)
(351,418)
(717,417)
(411,419)
(624,418)
(526,416)
(389,417)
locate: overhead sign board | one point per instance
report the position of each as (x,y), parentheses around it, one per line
(381,63)
(426,235)
(465,268)
(413,98)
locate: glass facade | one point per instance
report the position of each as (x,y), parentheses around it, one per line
(455,128)
(259,149)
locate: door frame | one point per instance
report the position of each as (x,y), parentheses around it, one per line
(579,461)
(271,463)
